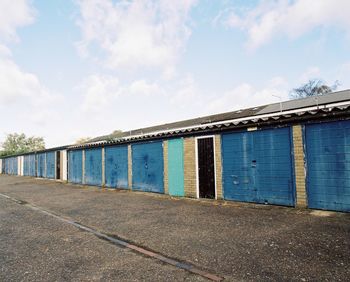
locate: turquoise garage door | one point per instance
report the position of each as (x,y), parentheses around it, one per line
(176,167)
(328,165)
(147,167)
(257,166)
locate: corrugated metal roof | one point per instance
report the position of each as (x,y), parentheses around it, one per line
(312,106)
(254,111)
(319,110)
(335,97)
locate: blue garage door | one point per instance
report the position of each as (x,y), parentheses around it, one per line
(257,167)
(93,166)
(15,165)
(75,166)
(26,165)
(6,166)
(12,166)
(147,167)
(50,165)
(32,165)
(116,167)
(41,165)
(328,165)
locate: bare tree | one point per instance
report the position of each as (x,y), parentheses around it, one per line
(314,87)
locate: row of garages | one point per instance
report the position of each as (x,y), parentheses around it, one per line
(43,165)
(109,167)
(297,165)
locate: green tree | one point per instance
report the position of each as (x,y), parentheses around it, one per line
(115,134)
(314,87)
(18,143)
(82,140)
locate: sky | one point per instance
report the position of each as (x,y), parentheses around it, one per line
(83,68)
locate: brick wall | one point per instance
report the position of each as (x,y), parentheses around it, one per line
(190,167)
(165,159)
(129,167)
(299,166)
(218,165)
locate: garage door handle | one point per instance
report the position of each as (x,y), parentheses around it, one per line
(235,179)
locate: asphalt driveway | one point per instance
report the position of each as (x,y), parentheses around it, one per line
(241,242)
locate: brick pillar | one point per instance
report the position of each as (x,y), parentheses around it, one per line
(165,159)
(190,167)
(218,167)
(299,166)
(129,167)
(103,167)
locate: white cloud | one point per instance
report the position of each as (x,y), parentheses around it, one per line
(311,73)
(18,86)
(21,92)
(185,93)
(144,88)
(4,51)
(135,34)
(342,75)
(14,14)
(247,96)
(273,18)
(98,91)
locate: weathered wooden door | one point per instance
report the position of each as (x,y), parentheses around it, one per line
(206,168)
